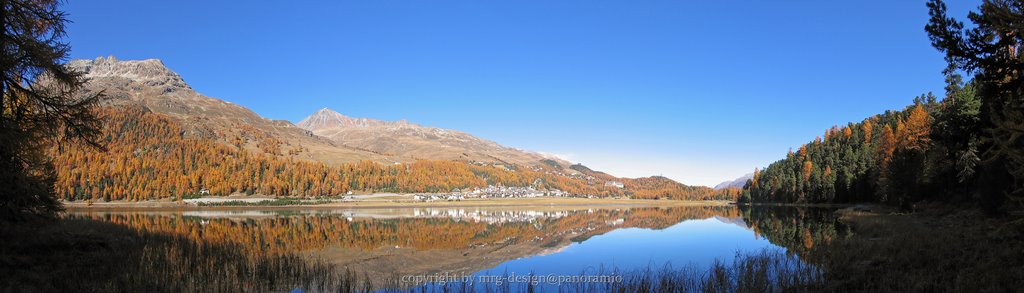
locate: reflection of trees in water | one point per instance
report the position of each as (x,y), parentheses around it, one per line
(286,234)
(798,229)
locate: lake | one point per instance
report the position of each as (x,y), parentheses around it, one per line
(546,247)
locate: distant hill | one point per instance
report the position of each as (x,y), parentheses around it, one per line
(404,139)
(736,183)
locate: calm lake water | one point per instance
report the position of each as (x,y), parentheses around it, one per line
(419,245)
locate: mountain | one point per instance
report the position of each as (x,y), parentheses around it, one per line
(150,84)
(327,118)
(326,136)
(165,140)
(404,139)
(736,183)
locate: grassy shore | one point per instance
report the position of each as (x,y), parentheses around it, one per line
(937,248)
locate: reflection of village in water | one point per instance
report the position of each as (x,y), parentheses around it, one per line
(490,216)
(476,215)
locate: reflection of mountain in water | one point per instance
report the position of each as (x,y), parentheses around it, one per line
(738,221)
(411,241)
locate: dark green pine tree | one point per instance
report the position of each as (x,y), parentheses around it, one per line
(38,106)
(956,134)
(992,51)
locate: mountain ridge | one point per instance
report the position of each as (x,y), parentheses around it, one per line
(152,102)
(403,138)
(735,183)
(326,135)
(151,84)
(328,118)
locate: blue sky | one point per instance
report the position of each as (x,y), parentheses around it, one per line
(700,92)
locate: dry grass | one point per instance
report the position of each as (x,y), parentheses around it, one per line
(938,249)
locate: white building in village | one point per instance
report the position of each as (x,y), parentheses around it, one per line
(615,184)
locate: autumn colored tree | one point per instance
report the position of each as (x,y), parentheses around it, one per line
(867,127)
(916,130)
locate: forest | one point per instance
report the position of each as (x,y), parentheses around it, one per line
(966,147)
(150,156)
(872,160)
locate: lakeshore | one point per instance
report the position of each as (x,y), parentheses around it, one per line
(383,200)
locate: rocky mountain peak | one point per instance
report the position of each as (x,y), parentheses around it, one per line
(327,111)
(150,72)
(736,183)
(326,118)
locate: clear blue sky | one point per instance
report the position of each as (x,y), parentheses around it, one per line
(700,92)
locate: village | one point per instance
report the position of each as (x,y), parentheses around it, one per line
(491,191)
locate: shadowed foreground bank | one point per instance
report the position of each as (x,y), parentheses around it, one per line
(81,255)
(936,248)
